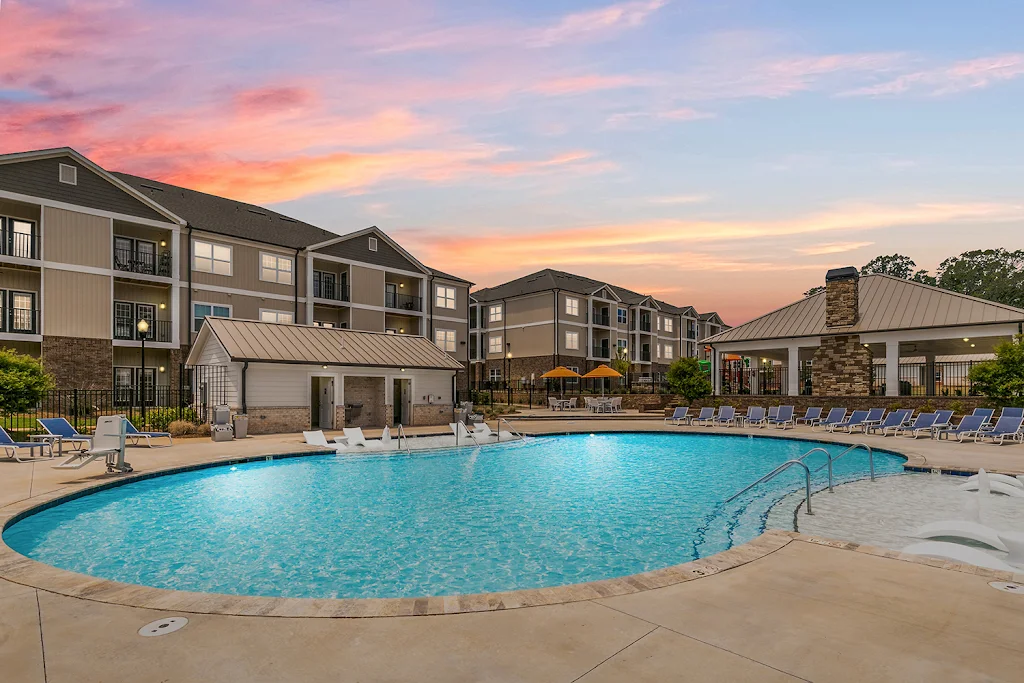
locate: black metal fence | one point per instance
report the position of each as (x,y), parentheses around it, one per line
(765,380)
(940,378)
(537,392)
(936,379)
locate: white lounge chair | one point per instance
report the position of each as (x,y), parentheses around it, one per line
(484,429)
(958,553)
(958,528)
(317,438)
(996,486)
(107,442)
(972,482)
(462,434)
(353,437)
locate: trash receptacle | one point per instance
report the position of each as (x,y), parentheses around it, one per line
(241,425)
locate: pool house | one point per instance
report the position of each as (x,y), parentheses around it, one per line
(289,378)
(871,335)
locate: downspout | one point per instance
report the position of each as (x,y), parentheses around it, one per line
(295,283)
(554,349)
(430,289)
(245,405)
(190,314)
(504,340)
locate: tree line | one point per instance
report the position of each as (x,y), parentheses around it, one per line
(993,274)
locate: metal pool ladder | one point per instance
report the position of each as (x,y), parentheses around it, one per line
(510,428)
(779,470)
(402,435)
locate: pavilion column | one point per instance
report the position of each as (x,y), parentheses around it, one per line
(309,288)
(929,369)
(892,368)
(793,372)
(716,373)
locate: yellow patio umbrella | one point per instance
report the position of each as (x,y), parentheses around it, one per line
(602,372)
(561,372)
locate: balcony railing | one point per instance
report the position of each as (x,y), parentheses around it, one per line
(20,321)
(601,319)
(645,326)
(645,356)
(19,244)
(132,261)
(403,302)
(327,288)
(601,352)
(127,329)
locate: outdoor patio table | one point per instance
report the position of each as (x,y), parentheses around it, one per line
(50,439)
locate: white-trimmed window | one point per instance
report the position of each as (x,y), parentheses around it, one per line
(494,343)
(657,351)
(202,311)
(208,257)
(572,306)
(573,380)
(622,316)
(373,244)
(668,352)
(445,340)
(68,174)
(494,313)
(323,323)
(276,268)
(444,297)
(659,323)
(572,341)
(668,324)
(268,315)
(494,374)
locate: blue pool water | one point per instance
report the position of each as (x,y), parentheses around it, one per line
(553,511)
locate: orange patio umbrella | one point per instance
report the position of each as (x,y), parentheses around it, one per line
(602,372)
(561,372)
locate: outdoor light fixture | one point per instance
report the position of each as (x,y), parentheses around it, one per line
(143,326)
(163,306)
(403,369)
(401,285)
(162,368)
(401,330)
(972,346)
(967,339)
(163,243)
(324,367)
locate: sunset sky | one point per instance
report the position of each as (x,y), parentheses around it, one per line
(719,154)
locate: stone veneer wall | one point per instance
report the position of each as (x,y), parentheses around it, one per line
(370,392)
(841,303)
(432,414)
(842,367)
(271,420)
(79,363)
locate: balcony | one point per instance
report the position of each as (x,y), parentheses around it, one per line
(144,263)
(601,352)
(159,330)
(19,244)
(325,286)
(645,326)
(645,355)
(20,321)
(602,319)
(403,302)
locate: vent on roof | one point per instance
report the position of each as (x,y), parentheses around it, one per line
(258,213)
(288,220)
(151,187)
(373,244)
(68,174)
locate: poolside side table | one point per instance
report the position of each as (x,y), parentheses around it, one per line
(50,439)
(1014,541)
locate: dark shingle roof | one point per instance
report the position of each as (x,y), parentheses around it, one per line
(447,276)
(222,216)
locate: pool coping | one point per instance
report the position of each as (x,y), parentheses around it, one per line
(17,568)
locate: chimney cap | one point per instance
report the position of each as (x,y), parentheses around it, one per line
(839,274)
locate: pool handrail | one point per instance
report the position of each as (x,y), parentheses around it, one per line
(778,470)
(403,435)
(871,461)
(510,428)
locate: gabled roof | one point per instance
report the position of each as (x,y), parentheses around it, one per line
(260,342)
(885,303)
(711,317)
(549,279)
(446,276)
(35,173)
(222,216)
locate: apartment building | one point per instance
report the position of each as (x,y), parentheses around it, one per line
(525,327)
(86,253)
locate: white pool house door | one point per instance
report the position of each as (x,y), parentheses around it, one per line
(323,403)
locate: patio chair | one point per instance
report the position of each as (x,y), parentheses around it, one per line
(616,405)
(461,433)
(969,425)
(726,417)
(572,403)
(484,429)
(354,436)
(58,426)
(856,418)
(705,416)
(12,447)
(317,438)
(554,403)
(922,425)
(679,416)
(1005,427)
(893,421)
(811,417)
(835,416)
(942,419)
(133,435)
(755,417)
(782,418)
(107,442)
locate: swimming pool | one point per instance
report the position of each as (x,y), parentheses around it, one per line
(551,511)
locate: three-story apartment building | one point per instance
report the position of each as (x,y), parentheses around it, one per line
(85,254)
(525,327)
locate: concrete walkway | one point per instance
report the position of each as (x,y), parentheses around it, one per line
(807,611)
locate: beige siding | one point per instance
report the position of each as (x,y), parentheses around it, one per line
(367,286)
(411,284)
(331,314)
(528,309)
(245,268)
(27,348)
(22,280)
(411,324)
(145,232)
(581,331)
(131,357)
(366,320)
(125,291)
(526,341)
(18,210)
(78,238)
(461,309)
(461,337)
(581,307)
(77,304)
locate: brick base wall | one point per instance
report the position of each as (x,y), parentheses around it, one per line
(433,414)
(79,363)
(960,405)
(842,367)
(278,420)
(370,392)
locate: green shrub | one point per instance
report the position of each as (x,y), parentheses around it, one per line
(159,419)
(1002,379)
(22,381)
(687,378)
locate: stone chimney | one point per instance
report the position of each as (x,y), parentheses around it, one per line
(841,297)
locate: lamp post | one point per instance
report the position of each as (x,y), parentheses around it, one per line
(508,371)
(143,327)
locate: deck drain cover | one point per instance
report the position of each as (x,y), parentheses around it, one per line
(162,627)
(1008,587)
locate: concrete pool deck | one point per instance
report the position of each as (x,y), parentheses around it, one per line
(798,608)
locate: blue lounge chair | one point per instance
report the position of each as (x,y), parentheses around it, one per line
(856,418)
(987,413)
(942,420)
(754,416)
(1006,427)
(875,417)
(922,425)
(726,416)
(782,418)
(679,416)
(133,435)
(812,416)
(969,425)
(705,416)
(835,416)
(892,421)
(12,447)
(58,426)
(773,411)
(1011,412)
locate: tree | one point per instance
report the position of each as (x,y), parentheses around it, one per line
(687,378)
(620,363)
(815,290)
(22,381)
(1002,379)
(993,274)
(896,265)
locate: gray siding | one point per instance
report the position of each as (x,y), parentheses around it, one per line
(358,249)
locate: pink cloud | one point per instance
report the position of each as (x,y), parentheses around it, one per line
(272,99)
(964,75)
(572,85)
